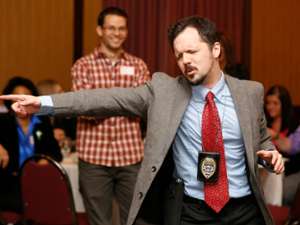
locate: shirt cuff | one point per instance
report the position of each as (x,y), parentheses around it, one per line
(46,106)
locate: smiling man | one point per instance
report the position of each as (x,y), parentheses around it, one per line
(110,150)
(206,134)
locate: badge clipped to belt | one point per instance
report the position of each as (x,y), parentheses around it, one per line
(208,166)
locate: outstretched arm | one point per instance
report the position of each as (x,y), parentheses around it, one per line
(106,102)
(23,105)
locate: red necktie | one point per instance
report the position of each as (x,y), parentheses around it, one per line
(216,194)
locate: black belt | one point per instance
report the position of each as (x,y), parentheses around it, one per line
(189,199)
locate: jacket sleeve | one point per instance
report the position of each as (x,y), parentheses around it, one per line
(104,103)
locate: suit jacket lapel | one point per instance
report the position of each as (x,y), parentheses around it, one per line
(180,101)
(243,110)
(175,107)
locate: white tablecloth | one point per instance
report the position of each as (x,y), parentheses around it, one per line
(272,186)
(72,171)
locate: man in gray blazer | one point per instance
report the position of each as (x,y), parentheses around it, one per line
(168,188)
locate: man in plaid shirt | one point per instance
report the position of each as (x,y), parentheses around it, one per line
(110,150)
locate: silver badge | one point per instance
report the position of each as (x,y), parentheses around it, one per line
(208,167)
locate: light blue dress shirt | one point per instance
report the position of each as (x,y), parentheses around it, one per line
(46,105)
(188,144)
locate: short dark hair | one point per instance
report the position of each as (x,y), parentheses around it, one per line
(206,29)
(15,82)
(111,11)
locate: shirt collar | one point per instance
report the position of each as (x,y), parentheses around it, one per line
(100,55)
(199,92)
(35,120)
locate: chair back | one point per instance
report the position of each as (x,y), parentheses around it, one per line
(46,192)
(10,217)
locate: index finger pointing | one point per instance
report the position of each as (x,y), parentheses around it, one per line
(12,97)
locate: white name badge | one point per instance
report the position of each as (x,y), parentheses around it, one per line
(127,70)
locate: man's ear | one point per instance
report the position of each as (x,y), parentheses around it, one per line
(99,31)
(216,49)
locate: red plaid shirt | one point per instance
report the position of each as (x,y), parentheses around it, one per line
(114,141)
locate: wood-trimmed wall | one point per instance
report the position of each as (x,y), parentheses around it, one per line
(275,45)
(36,39)
(91,9)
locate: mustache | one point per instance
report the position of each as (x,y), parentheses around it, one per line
(188,68)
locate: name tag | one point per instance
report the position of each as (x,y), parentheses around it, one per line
(127,70)
(31,140)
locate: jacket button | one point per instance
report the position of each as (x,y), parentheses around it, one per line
(141,195)
(153,169)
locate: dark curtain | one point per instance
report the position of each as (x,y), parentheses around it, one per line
(150,19)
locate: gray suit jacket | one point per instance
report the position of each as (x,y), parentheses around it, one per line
(162,102)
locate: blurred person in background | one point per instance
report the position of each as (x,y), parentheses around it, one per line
(281,119)
(64,127)
(282,125)
(21,138)
(227,59)
(110,150)
(290,146)
(49,86)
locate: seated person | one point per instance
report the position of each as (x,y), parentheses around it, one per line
(227,59)
(291,146)
(20,138)
(282,124)
(281,120)
(64,127)
(49,86)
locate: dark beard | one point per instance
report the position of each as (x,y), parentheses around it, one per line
(198,82)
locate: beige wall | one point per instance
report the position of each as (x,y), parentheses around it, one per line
(36,39)
(275,45)
(91,9)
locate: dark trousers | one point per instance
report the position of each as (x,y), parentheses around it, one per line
(238,211)
(100,184)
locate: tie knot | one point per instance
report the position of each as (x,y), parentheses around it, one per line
(210,96)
